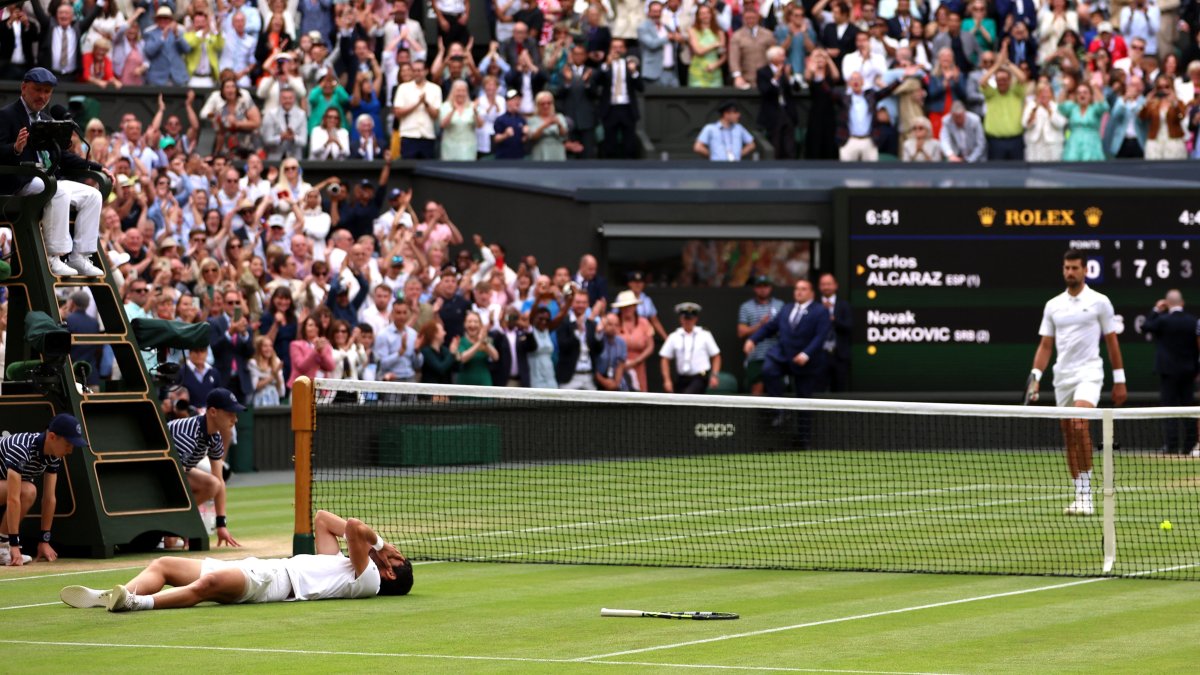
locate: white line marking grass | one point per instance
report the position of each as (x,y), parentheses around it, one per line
(40,604)
(67,574)
(400,655)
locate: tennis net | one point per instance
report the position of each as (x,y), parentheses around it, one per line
(517,475)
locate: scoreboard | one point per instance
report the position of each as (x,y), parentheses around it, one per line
(948,286)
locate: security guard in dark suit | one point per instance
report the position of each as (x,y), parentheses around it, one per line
(1177,349)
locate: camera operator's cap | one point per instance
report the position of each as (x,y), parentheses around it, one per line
(1104,27)
(223,399)
(511,94)
(625,299)
(69,428)
(687,309)
(40,75)
(762,280)
(164,12)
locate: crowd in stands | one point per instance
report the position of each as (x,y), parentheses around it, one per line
(952,80)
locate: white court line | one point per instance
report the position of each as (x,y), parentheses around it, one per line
(323,652)
(857,617)
(67,574)
(40,604)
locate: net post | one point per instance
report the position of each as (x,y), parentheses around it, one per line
(304,420)
(1110,494)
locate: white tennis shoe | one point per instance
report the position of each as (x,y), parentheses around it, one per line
(1080,507)
(82,597)
(120,599)
(6,557)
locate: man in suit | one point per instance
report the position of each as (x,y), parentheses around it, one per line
(1176,350)
(79,322)
(285,128)
(232,345)
(576,335)
(661,45)
(837,344)
(59,50)
(617,83)
(520,42)
(800,351)
(777,110)
(838,37)
(164,48)
(748,48)
(512,368)
(899,27)
(16,30)
(576,94)
(16,147)
(589,279)
(1022,50)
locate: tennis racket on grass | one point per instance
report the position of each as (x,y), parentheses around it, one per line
(1031,390)
(695,616)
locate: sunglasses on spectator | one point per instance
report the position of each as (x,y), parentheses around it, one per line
(143,289)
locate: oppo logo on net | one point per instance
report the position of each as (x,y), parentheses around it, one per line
(714,430)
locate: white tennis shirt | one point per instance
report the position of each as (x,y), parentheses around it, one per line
(1077,323)
(323,577)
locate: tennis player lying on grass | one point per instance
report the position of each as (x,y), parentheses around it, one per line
(373,568)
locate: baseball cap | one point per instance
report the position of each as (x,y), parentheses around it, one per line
(635,275)
(512,93)
(396,192)
(275,221)
(1104,27)
(762,280)
(41,76)
(366,183)
(223,399)
(69,428)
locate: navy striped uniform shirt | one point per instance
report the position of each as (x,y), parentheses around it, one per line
(25,454)
(193,442)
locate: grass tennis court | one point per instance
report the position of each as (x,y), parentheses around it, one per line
(486,617)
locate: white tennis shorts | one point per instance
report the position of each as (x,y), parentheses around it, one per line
(266,580)
(1084,385)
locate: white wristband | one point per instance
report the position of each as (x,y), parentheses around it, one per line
(1118,376)
(1037,374)
(378,545)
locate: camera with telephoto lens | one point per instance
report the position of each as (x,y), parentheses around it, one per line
(335,189)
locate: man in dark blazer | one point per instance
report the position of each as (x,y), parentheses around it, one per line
(576,94)
(572,371)
(1176,351)
(1022,49)
(839,36)
(16,147)
(511,49)
(232,346)
(899,26)
(777,109)
(801,328)
(59,32)
(79,322)
(618,83)
(837,344)
(505,338)
(17,27)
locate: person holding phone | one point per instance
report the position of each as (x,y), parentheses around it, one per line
(232,345)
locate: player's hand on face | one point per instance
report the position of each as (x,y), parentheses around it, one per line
(224,538)
(1119,394)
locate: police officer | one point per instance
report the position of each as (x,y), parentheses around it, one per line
(693,352)
(24,457)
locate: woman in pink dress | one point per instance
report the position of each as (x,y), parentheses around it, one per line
(639,337)
(311,352)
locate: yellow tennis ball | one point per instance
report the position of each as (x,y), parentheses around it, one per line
(1165,525)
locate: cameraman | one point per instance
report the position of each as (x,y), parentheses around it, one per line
(16,148)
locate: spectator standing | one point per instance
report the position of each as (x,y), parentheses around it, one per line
(231,344)
(797,37)
(920,146)
(328,95)
(748,48)
(311,352)
(610,359)
(1044,126)
(489,106)
(1175,357)
(962,136)
(18,41)
(235,119)
(802,329)
(129,63)
(617,83)
(316,16)
(576,94)
(80,322)
(660,43)
(857,132)
(707,44)
(437,361)
(416,105)
(204,47)
(837,343)
(459,120)
(981,26)
(164,50)
(549,130)
(1164,116)
(725,140)
(279,325)
(474,351)
(1084,115)
(865,62)
(1140,20)
(59,50)
(839,37)
(777,108)
(1022,50)
(1125,132)
(1055,19)
(822,76)
(638,334)
(198,378)
(285,128)
(574,338)
(97,66)
(753,315)
(329,141)
(1003,123)
(692,353)
(347,358)
(947,85)
(266,372)
(453,17)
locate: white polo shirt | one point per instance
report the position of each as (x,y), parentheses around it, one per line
(692,351)
(418,123)
(1077,324)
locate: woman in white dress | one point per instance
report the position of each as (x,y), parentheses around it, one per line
(1043,127)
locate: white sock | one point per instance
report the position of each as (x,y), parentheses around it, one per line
(1078,480)
(1086,481)
(143,601)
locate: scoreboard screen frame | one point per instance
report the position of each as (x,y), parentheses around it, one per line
(1115,227)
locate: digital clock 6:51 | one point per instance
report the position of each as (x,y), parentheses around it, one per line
(884,217)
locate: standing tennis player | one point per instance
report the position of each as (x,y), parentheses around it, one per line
(373,568)
(1073,323)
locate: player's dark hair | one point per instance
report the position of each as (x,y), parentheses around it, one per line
(401,584)
(1073,254)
